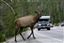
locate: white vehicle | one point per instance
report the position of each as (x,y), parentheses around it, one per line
(44,23)
(62,24)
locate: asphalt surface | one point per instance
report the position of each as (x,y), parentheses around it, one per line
(55,35)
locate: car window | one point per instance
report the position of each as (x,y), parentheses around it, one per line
(43,19)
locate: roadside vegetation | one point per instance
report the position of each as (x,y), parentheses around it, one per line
(12,9)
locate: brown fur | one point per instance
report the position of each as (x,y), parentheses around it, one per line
(26,21)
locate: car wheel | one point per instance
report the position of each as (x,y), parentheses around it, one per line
(38,29)
(48,28)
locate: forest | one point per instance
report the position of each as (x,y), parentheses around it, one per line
(13,9)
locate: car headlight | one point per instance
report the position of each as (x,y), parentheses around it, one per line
(39,24)
(48,24)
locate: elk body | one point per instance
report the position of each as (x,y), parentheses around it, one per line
(27,21)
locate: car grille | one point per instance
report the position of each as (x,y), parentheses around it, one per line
(44,25)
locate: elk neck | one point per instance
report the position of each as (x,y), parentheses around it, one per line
(37,17)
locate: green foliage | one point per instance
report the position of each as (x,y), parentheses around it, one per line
(2,37)
(54,8)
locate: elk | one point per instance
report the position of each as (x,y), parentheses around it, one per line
(27,21)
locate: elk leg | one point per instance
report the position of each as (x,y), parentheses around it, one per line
(31,33)
(29,36)
(15,35)
(21,34)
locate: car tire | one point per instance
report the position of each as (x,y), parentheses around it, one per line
(38,29)
(48,28)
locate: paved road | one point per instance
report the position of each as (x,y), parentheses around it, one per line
(55,35)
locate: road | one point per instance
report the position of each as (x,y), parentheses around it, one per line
(55,35)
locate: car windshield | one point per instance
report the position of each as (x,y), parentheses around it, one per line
(43,19)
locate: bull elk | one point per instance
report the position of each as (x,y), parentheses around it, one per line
(27,21)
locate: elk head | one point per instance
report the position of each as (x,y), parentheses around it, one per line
(39,13)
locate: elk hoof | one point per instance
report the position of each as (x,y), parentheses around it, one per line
(34,37)
(15,40)
(24,39)
(27,37)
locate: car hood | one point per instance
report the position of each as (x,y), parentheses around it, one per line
(43,22)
